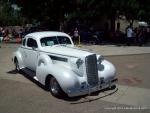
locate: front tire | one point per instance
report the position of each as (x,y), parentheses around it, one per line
(54,88)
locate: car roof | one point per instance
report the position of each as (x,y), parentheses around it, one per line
(42,34)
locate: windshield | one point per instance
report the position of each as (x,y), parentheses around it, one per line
(54,40)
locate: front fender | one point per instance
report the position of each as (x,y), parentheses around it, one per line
(106,70)
(66,78)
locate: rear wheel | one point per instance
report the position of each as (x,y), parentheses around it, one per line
(54,88)
(17,67)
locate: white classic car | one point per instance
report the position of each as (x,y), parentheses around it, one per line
(52,59)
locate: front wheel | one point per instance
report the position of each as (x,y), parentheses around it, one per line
(54,88)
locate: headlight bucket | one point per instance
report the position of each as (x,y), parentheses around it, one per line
(79,62)
(100,58)
(77,65)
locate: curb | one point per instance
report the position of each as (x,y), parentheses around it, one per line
(125,54)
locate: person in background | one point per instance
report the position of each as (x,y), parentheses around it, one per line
(130,33)
(6,35)
(1,34)
(147,36)
(141,37)
(75,35)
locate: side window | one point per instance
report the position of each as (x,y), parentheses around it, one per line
(23,42)
(31,43)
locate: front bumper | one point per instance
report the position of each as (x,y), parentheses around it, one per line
(89,90)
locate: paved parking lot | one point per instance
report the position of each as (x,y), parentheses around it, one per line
(20,94)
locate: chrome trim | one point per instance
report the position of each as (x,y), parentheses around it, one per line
(58,58)
(92,70)
(114,80)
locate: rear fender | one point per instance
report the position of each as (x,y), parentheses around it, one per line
(18,56)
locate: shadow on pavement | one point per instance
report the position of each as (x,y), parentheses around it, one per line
(72,100)
(27,77)
(93,99)
(96,96)
(12,72)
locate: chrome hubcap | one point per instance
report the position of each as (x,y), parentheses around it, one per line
(54,86)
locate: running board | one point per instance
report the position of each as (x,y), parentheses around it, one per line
(30,73)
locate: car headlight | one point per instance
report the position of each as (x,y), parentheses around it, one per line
(100,58)
(76,62)
(77,65)
(79,62)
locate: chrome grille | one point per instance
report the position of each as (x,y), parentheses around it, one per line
(91,70)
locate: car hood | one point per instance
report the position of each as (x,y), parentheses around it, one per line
(66,51)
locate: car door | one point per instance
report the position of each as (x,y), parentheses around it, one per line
(22,50)
(31,54)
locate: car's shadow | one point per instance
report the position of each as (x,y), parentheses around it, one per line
(96,95)
(72,100)
(12,72)
(27,77)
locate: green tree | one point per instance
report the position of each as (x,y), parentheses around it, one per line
(55,12)
(7,16)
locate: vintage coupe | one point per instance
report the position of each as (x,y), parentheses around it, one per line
(52,59)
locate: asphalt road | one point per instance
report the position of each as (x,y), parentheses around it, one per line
(133,70)
(20,94)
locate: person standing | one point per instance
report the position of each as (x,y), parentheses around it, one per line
(75,35)
(129,35)
(141,37)
(1,35)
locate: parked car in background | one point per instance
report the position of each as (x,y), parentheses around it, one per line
(52,59)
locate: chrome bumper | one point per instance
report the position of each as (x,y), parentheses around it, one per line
(89,90)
